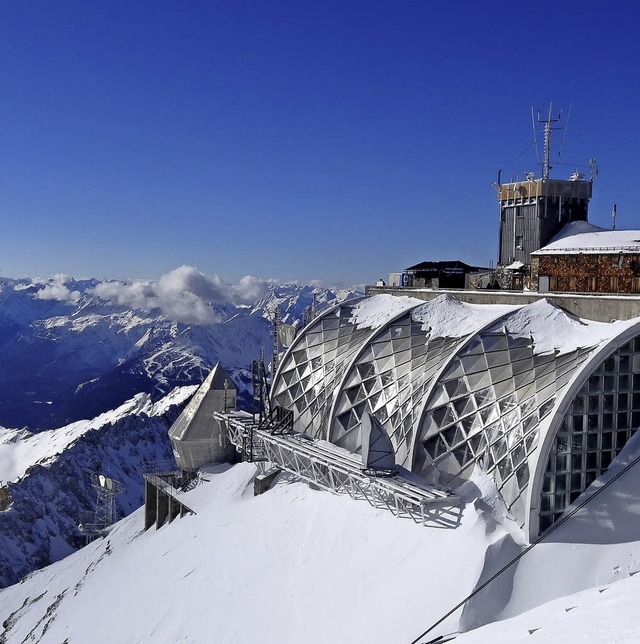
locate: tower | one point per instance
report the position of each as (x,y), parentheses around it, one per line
(533,211)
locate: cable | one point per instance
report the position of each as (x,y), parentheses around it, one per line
(553,527)
(506,165)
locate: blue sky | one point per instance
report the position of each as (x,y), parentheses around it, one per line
(329,140)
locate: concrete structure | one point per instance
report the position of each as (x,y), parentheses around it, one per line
(589,260)
(532,212)
(457,387)
(195,437)
(603,308)
(161,502)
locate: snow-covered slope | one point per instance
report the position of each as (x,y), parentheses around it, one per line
(293,565)
(46,477)
(298,565)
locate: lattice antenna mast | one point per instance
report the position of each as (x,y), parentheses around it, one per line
(105,513)
(276,342)
(548,126)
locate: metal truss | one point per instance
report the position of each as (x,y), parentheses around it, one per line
(337,471)
(105,513)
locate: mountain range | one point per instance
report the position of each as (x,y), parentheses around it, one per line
(92,375)
(71,350)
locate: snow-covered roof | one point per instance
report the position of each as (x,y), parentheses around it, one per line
(582,237)
(453,384)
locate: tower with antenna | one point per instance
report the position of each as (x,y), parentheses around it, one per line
(534,210)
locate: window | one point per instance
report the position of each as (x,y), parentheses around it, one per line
(591,434)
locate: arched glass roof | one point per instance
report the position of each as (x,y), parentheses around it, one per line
(454,385)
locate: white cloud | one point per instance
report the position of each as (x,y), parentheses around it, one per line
(250,289)
(183,294)
(54,289)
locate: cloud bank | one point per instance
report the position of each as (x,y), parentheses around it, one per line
(183,294)
(55,289)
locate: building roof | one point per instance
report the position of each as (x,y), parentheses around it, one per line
(446,266)
(581,237)
(194,421)
(455,386)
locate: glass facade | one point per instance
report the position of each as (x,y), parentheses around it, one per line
(598,423)
(389,380)
(483,397)
(487,408)
(315,366)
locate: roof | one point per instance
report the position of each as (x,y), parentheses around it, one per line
(443,266)
(454,385)
(581,237)
(194,421)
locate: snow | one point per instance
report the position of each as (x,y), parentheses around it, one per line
(447,317)
(292,565)
(374,312)
(576,228)
(548,326)
(582,237)
(581,583)
(301,565)
(21,449)
(552,329)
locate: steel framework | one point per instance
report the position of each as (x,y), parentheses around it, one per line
(337,471)
(105,514)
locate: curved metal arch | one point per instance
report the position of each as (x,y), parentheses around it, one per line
(556,417)
(358,354)
(298,339)
(449,361)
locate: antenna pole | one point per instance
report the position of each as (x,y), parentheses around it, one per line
(535,138)
(614,212)
(546,164)
(546,167)
(274,359)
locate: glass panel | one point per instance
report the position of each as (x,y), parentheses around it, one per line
(588,441)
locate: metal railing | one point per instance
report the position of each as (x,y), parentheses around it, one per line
(328,468)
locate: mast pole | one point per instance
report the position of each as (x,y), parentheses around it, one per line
(546,166)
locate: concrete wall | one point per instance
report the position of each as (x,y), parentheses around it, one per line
(603,308)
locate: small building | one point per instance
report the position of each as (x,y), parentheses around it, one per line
(196,437)
(532,212)
(445,274)
(584,258)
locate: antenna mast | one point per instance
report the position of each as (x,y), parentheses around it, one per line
(274,357)
(546,163)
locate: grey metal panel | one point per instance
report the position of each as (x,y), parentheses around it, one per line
(195,437)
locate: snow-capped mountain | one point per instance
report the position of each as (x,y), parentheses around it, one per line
(74,349)
(45,477)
